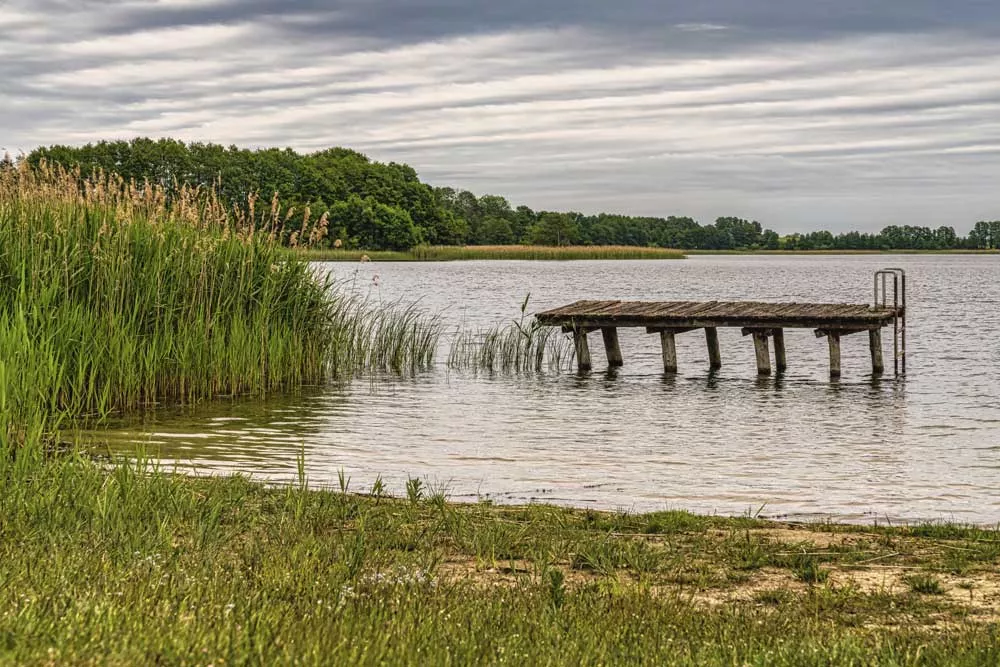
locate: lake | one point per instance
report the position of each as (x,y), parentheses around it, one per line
(798,446)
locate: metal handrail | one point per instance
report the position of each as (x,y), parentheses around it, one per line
(899,311)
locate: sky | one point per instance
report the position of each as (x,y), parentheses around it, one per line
(803,114)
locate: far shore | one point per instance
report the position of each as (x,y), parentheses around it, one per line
(549,253)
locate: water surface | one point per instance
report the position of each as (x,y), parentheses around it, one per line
(797,446)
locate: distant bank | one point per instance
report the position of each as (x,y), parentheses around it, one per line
(451,253)
(527,252)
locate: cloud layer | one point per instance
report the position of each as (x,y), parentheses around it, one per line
(803,115)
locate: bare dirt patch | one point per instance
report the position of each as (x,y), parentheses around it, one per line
(821,539)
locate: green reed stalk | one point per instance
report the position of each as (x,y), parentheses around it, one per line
(112,298)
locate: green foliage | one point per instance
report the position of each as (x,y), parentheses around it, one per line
(381,206)
(376,206)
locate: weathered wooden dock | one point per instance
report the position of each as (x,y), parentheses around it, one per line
(763,321)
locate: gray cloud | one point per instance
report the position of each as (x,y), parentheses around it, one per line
(817,114)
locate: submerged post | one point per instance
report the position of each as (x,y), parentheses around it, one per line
(611,346)
(763,355)
(669,344)
(875,343)
(714,354)
(780,362)
(834,338)
(582,350)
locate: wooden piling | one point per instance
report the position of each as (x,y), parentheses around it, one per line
(875,343)
(714,354)
(582,350)
(834,338)
(763,354)
(668,342)
(611,346)
(780,362)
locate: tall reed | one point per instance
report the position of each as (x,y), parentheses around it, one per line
(113,297)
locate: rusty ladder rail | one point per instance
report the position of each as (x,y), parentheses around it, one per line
(899,306)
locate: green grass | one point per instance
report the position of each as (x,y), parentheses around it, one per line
(130,565)
(925,584)
(452,253)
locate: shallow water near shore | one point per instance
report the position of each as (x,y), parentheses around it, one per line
(797,446)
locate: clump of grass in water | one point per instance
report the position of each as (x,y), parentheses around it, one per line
(516,347)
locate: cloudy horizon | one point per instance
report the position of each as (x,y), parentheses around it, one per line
(804,116)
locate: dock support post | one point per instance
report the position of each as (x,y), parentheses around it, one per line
(611,346)
(582,350)
(834,338)
(763,354)
(714,355)
(875,343)
(669,344)
(780,361)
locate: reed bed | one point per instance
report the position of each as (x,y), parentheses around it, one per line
(523,252)
(510,349)
(393,337)
(114,296)
(517,347)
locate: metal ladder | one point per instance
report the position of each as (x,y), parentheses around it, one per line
(881,293)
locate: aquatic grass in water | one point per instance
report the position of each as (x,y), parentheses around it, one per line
(394,337)
(516,347)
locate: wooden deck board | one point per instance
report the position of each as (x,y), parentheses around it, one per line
(717,313)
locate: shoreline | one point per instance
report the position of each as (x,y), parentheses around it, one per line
(544,253)
(142,563)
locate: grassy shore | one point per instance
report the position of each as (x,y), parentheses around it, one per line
(452,253)
(132,566)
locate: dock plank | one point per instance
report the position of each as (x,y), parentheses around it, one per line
(717,313)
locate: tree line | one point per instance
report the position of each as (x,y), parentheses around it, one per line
(379,206)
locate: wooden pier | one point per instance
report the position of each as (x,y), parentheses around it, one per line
(765,322)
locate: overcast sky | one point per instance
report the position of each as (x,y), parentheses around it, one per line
(804,114)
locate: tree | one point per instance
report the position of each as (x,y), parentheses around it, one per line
(555,229)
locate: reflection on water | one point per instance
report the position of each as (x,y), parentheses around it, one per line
(726,442)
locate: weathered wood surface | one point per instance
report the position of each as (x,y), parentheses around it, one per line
(714,353)
(698,314)
(875,343)
(762,353)
(612,348)
(780,357)
(582,351)
(668,345)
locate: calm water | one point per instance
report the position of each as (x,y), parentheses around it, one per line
(801,446)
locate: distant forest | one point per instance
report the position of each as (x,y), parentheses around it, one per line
(377,206)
